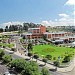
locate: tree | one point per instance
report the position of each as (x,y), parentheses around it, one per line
(56,63)
(49,57)
(30,46)
(44,37)
(45,71)
(25,67)
(1,53)
(19,64)
(7,58)
(24,37)
(1,30)
(31,69)
(44,60)
(66,59)
(6,29)
(36,57)
(30,54)
(13,49)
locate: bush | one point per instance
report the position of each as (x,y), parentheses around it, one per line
(1,53)
(30,54)
(44,60)
(7,58)
(66,59)
(54,58)
(45,71)
(3,46)
(49,57)
(13,49)
(36,56)
(56,63)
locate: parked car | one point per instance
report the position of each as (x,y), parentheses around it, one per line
(11,52)
(7,73)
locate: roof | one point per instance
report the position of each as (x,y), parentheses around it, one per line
(33,28)
(73,42)
(58,40)
(66,37)
(54,32)
(27,33)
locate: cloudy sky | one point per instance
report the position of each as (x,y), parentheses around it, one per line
(46,12)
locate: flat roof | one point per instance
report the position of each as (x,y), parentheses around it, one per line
(27,33)
(33,28)
(54,32)
(67,37)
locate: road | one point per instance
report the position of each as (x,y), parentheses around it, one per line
(3,69)
(70,73)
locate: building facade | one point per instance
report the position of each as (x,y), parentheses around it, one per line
(39,32)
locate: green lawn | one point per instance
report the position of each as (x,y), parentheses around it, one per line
(55,51)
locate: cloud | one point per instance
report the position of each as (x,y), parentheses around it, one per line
(57,23)
(70,2)
(64,20)
(45,23)
(11,23)
(63,15)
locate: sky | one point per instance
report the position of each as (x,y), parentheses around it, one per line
(46,12)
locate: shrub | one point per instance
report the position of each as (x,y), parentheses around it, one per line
(7,58)
(56,63)
(1,53)
(49,57)
(44,60)
(36,56)
(66,59)
(30,54)
(13,49)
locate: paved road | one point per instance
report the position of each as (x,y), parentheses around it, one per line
(19,46)
(3,69)
(70,73)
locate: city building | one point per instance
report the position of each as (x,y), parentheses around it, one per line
(39,32)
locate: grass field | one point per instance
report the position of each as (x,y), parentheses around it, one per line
(55,51)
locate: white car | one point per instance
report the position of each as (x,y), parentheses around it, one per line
(7,73)
(11,52)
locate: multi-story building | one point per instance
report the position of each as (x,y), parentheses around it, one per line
(37,33)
